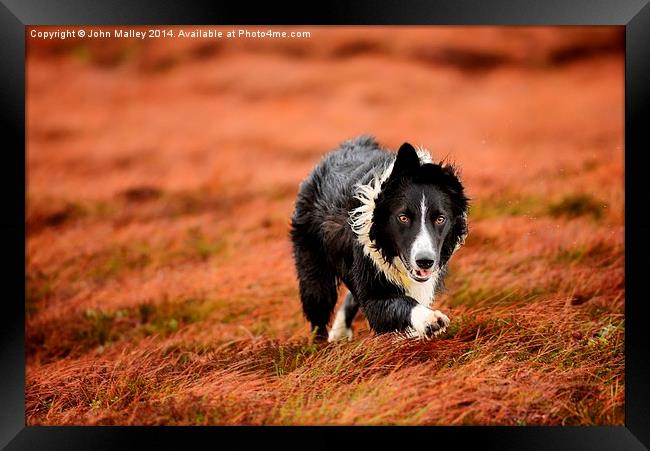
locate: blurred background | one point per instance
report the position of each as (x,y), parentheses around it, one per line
(105,115)
(161,173)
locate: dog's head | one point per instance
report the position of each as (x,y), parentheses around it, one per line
(420,215)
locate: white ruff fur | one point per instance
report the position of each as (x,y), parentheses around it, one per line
(361,221)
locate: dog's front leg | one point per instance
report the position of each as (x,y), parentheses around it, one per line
(404,314)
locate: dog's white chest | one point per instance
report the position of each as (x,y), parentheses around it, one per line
(422,292)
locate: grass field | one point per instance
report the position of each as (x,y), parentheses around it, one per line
(161,180)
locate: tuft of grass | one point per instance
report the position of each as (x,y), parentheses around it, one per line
(134,256)
(140,193)
(44,213)
(599,254)
(81,53)
(167,318)
(571,206)
(114,261)
(468,295)
(38,289)
(506,206)
(189,202)
(233,316)
(97,328)
(201,246)
(47,213)
(289,359)
(576,205)
(570,255)
(106,56)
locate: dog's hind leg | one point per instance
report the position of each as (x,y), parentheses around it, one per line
(317,283)
(342,327)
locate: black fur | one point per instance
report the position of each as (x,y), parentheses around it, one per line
(327,251)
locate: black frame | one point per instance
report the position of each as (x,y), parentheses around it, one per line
(15,15)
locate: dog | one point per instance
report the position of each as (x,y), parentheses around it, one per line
(385,224)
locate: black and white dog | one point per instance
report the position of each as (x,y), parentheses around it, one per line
(383,223)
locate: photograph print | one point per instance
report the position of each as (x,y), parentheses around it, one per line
(341,225)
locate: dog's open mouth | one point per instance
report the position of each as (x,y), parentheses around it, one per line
(417,274)
(421,275)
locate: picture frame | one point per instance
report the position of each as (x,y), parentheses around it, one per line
(634,15)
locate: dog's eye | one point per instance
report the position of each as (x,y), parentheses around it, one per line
(440,220)
(403,218)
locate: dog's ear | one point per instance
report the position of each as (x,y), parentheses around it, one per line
(460,231)
(407,160)
(455,239)
(452,178)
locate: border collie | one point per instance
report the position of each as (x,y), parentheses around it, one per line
(383,223)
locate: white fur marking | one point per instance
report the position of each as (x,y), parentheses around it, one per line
(339,330)
(423,241)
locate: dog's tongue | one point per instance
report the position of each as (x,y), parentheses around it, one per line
(423,272)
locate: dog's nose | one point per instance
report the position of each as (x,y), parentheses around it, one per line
(424,263)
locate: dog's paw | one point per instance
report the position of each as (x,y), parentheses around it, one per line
(426,323)
(339,333)
(339,330)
